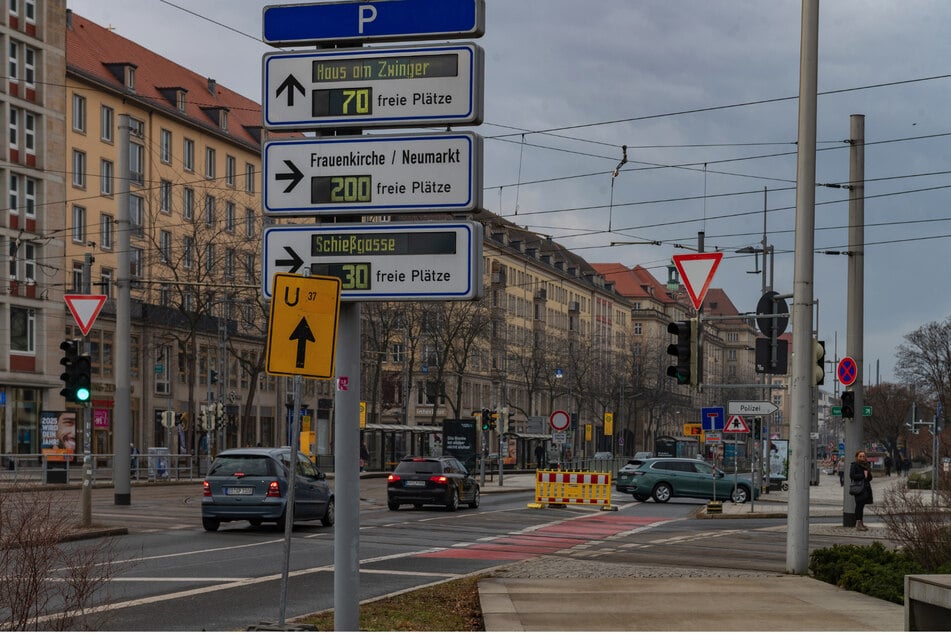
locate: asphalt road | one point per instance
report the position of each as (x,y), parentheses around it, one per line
(172,575)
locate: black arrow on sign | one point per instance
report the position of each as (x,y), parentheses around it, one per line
(290,85)
(294,176)
(294,262)
(303,334)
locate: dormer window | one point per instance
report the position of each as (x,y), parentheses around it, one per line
(218,115)
(123,72)
(175,95)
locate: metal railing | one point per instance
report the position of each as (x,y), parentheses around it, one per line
(153,466)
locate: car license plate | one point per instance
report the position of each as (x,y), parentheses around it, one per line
(415,483)
(239,490)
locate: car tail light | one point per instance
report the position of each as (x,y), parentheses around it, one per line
(239,474)
(440,479)
(274,489)
(393,478)
(206,489)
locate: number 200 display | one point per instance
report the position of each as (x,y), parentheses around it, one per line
(352,188)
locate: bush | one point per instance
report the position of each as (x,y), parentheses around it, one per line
(923,529)
(46,585)
(873,570)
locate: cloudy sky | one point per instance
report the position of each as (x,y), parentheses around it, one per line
(703,94)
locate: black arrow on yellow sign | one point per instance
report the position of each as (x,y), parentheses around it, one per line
(302,334)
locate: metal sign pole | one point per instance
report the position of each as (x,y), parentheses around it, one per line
(289,509)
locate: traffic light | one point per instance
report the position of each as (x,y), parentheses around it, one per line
(76,376)
(493,419)
(848,404)
(685,371)
(486,417)
(213,376)
(819,354)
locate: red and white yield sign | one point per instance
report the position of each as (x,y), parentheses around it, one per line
(559,420)
(696,272)
(847,371)
(85,309)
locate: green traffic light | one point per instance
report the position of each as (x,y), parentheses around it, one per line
(82,394)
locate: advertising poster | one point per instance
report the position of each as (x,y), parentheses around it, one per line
(778,459)
(459,440)
(58,430)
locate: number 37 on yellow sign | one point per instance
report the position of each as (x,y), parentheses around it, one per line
(302,330)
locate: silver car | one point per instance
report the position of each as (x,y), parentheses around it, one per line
(251,484)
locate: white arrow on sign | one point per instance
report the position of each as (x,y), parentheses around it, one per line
(736,425)
(751,408)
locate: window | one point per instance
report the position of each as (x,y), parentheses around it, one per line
(249,178)
(106,232)
(78,285)
(229,216)
(209,162)
(30,201)
(188,251)
(210,258)
(165,196)
(29,133)
(188,155)
(22,329)
(106,276)
(130,77)
(250,268)
(22,195)
(106,123)
(165,246)
(135,262)
(638,328)
(22,261)
(136,213)
(248,222)
(79,113)
(209,210)
(13,126)
(12,64)
(29,66)
(137,163)
(230,166)
(79,224)
(180,100)
(188,203)
(14,189)
(165,146)
(136,128)
(229,264)
(106,175)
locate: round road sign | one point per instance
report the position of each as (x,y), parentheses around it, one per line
(559,420)
(847,371)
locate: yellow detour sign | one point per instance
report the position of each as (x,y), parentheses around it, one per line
(302,331)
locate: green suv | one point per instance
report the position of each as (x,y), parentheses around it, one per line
(665,478)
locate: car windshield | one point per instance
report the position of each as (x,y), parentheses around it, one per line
(247,465)
(419,466)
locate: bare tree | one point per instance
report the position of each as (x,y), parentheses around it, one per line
(924,359)
(462,326)
(890,406)
(382,327)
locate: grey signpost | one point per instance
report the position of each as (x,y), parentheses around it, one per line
(338,176)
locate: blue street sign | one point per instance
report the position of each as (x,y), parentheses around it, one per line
(304,24)
(711,418)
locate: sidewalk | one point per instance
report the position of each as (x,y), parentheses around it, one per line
(753,602)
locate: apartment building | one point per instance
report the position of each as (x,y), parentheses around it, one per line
(32,102)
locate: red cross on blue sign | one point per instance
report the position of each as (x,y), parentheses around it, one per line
(847,371)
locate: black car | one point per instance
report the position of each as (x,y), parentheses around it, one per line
(251,484)
(443,481)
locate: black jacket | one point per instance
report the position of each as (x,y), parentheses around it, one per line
(858,473)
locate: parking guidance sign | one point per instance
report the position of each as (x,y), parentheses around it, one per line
(394,86)
(373,174)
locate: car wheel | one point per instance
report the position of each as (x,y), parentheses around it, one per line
(254,523)
(640,497)
(210,524)
(741,495)
(662,492)
(474,504)
(328,518)
(453,504)
(393,506)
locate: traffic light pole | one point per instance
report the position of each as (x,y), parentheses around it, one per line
(87,418)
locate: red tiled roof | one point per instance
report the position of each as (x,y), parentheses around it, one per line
(632,282)
(89,47)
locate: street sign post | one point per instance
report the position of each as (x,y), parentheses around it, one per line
(751,408)
(302,330)
(389,87)
(847,371)
(308,24)
(382,261)
(373,174)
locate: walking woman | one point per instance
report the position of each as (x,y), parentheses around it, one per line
(860,475)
